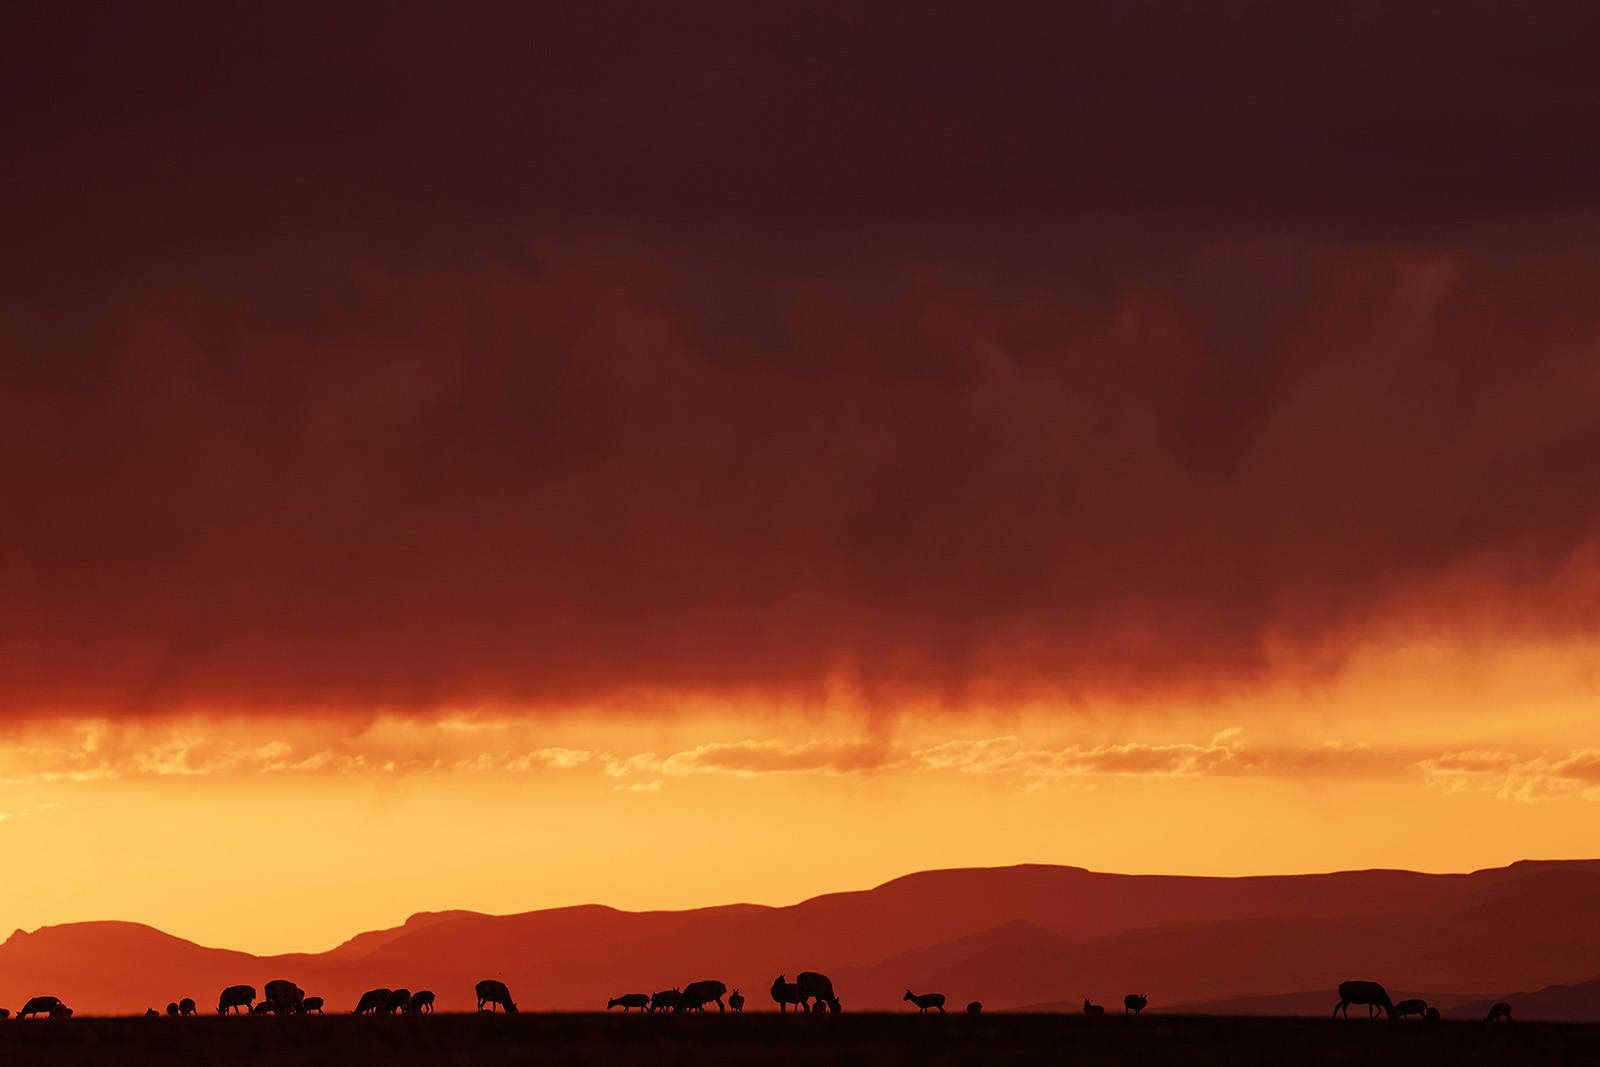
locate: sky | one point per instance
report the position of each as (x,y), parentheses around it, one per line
(502,458)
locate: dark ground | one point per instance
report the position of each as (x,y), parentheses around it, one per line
(767,1039)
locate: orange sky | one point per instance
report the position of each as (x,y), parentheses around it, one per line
(1425,759)
(533,455)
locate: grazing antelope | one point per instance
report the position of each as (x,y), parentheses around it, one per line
(696,995)
(172,1008)
(666,1000)
(1092,1009)
(240,998)
(1135,1002)
(736,1002)
(372,1002)
(785,993)
(630,1000)
(284,996)
(924,1001)
(1373,995)
(399,1001)
(491,992)
(818,986)
(311,1004)
(975,1007)
(1416,1007)
(186,1006)
(1502,1010)
(422,1000)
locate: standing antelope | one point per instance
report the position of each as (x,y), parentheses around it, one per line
(736,1002)
(924,1001)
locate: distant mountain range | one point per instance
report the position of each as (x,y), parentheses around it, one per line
(1012,937)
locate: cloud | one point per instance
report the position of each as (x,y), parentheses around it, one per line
(1011,755)
(1128,355)
(1516,777)
(37,809)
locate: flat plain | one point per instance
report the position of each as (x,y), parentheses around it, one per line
(767,1039)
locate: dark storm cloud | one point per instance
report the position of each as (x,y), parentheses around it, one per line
(406,357)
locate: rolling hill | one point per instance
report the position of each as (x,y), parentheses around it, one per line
(1012,936)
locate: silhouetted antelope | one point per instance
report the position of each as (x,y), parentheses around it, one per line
(975,1007)
(1135,1002)
(1092,1009)
(422,1000)
(1373,995)
(666,1000)
(491,992)
(630,1000)
(262,1008)
(172,1008)
(312,1004)
(819,986)
(372,1002)
(924,1001)
(1413,1006)
(284,996)
(1502,1010)
(237,997)
(186,1006)
(696,995)
(399,1001)
(736,1002)
(785,993)
(60,1011)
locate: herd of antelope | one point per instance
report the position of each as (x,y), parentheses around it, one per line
(809,992)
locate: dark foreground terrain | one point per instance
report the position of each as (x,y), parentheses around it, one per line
(766,1039)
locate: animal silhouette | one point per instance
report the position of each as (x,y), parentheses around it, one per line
(151,1013)
(240,998)
(372,1002)
(172,1008)
(60,1011)
(1373,995)
(975,1007)
(630,1000)
(1413,1006)
(491,992)
(262,1008)
(399,1001)
(696,995)
(312,1004)
(924,1001)
(736,1002)
(1432,1014)
(818,986)
(1092,1009)
(666,1000)
(1135,1002)
(284,996)
(422,1000)
(785,993)
(186,1006)
(1501,1010)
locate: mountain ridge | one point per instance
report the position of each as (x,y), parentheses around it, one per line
(1003,935)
